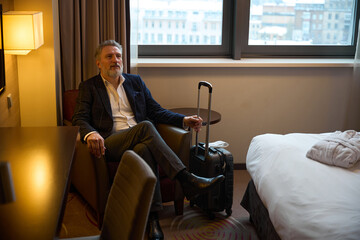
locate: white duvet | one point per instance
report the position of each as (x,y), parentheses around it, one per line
(306,199)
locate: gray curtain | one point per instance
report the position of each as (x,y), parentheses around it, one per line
(83,25)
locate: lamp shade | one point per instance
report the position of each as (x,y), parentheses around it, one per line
(22,31)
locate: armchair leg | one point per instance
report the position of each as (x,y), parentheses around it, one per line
(179,207)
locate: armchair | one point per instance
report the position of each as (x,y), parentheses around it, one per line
(91,177)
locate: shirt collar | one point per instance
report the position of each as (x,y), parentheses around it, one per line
(106,82)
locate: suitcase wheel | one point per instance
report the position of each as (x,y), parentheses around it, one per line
(228,212)
(211,215)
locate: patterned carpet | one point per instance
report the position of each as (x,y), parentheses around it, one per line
(193,224)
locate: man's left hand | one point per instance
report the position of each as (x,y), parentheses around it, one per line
(194,122)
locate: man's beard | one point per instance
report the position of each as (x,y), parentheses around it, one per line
(114,73)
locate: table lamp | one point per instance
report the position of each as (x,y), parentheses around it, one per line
(7,193)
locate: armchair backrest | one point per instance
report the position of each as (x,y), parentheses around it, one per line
(69,102)
(129,201)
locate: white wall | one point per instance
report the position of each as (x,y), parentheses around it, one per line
(254,101)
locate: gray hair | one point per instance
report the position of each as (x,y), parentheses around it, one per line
(104,44)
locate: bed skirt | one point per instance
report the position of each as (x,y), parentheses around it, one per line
(259,215)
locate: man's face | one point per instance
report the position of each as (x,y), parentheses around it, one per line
(110,63)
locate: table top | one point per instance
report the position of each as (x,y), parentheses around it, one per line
(40,160)
(215,116)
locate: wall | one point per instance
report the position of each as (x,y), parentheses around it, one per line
(10,117)
(255,101)
(32,79)
(36,71)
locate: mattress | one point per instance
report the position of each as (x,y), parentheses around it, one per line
(305,199)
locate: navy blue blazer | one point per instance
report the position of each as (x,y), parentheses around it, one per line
(93,109)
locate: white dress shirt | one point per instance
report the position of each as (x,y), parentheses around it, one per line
(123,116)
(122,113)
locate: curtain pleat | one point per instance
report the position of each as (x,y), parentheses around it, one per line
(122,20)
(89,38)
(107,19)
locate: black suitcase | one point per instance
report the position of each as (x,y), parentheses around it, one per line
(207,161)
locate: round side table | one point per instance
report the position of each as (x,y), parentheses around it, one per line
(215,117)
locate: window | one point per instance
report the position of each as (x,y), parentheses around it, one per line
(169,38)
(249,28)
(152,38)
(160,37)
(196,27)
(287,28)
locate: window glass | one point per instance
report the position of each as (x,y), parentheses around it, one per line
(302,22)
(183,22)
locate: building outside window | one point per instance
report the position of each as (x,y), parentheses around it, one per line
(187,15)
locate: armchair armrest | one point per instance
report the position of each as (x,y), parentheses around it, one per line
(178,139)
(67,122)
(90,178)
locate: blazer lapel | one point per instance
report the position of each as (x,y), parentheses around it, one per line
(100,87)
(129,93)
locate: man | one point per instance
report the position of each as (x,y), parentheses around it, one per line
(113,110)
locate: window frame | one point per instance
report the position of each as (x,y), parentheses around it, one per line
(235,34)
(223,50)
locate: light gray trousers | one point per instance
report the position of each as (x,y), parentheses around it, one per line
(145,140)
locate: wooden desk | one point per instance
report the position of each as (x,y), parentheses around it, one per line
(40,159)
(215,117)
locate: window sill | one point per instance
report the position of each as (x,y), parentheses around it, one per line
(245,62)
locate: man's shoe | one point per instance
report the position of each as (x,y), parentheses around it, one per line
(194,185)
(155,232)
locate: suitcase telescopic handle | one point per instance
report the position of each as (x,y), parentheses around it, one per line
(208,85)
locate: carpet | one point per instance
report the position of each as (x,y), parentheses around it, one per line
(193,224)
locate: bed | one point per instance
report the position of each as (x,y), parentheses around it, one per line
(291,196)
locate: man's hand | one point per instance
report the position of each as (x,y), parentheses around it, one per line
(95,144)
(194,122)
